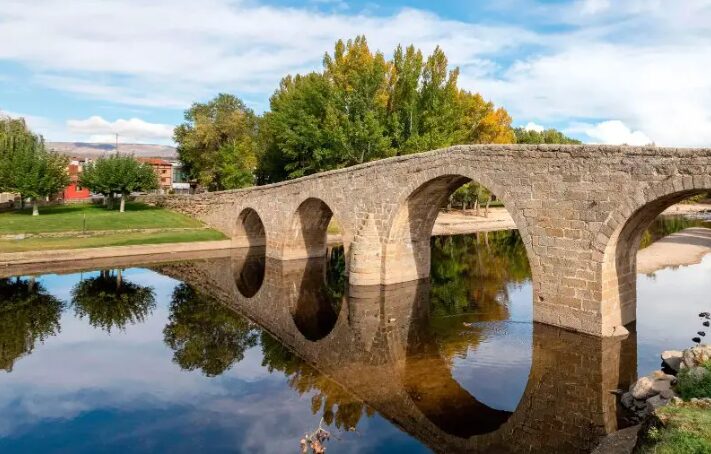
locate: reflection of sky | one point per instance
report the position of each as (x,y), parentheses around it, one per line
(668,306)
(85,390)
(495,371)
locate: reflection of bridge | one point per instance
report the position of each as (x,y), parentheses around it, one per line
(581,211)
(376,348)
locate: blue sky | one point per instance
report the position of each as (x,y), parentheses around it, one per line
(623,71)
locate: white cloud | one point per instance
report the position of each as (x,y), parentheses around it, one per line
(643,62)
(612,132)
(133,130)
(531,126)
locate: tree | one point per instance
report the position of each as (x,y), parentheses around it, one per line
(363,107)
(28,314)
(204,334)
(545,136)
(218,143)
(109,301)
(120,174)
(26,167)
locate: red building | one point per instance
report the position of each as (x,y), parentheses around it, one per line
(73,190)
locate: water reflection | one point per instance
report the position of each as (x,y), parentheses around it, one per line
(205,334)
(317,299)
(109,301)
(28,314)
(241,353)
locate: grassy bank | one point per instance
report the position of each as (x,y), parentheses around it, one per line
(89,218)
(682,429)
(62,218)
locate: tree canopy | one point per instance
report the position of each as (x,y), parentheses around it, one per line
(26,166)
(540,137)
(363,107)
(120,174)
(217,143)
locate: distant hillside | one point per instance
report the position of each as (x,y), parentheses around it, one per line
(95,150)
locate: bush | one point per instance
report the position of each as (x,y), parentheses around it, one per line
(690,386)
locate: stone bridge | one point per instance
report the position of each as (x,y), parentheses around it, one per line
(581,211)
(377,348)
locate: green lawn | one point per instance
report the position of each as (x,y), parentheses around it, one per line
(118,239)
(62,218)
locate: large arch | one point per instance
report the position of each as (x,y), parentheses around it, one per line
(307,234)
(620,238)
(406,252)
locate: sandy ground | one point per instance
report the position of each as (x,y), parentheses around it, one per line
(460,222)
(687,247)
(686,208)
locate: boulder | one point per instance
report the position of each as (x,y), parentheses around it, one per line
(627,401)
(695,356)
(672,359)
(643,389)
(659,386)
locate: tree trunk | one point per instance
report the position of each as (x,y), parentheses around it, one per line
(123,203)
(476,206)
(35,208)
(111,202)
(486,210)
(119,278)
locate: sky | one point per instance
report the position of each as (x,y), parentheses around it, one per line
(603,71)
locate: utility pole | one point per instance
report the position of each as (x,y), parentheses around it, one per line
(116,143)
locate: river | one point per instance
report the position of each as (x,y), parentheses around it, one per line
(163,358)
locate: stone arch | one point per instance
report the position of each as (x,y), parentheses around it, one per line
(248,269)
(618,241)
(307,235)
(249,230)
(406,249)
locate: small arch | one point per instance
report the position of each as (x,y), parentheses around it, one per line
(619,260)
(307,236)
(249,230)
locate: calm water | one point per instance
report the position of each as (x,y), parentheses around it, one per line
(162,358)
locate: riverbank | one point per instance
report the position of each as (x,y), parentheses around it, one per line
(687,247)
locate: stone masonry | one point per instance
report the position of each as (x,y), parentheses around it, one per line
(580,209)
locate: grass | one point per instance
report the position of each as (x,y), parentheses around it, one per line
(62,218)
(69,218)
(682,429)
(688,387)
(118,239)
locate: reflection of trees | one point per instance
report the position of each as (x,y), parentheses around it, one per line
(666,225)
(335,404)
(109,301)
(471,275)
(27,314)
(204,334)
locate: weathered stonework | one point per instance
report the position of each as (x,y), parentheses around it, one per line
(581,211)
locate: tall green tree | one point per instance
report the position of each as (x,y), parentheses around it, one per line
(120,174)
(218,143)
(27,167)
(363,107)
(111,302)
(28,315)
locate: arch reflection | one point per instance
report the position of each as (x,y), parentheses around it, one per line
(248,266)
(318,300)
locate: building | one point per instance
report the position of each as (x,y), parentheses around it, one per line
(163,170)
(181,184)
(73,191)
